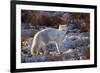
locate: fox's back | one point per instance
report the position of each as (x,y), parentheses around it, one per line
(49,34)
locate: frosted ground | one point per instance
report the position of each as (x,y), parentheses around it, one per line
(75,46)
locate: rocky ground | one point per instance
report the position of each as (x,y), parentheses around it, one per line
(76,46)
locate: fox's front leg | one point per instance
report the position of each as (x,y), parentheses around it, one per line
(57,46)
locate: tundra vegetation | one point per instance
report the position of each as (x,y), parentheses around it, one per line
(76,44)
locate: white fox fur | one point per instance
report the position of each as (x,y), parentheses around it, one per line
(47,35)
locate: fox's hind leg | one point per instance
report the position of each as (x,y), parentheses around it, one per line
(42,49)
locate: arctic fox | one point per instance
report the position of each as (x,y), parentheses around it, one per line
(47,35)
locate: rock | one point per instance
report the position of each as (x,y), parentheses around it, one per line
(28,32)
(75,46)
(75,41)
(33,58)
(85,34)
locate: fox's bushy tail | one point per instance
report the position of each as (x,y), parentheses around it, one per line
(35,44)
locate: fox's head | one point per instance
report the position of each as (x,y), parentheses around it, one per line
(63,28)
